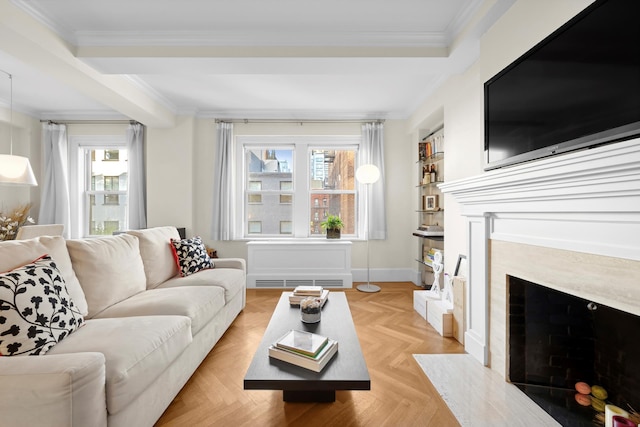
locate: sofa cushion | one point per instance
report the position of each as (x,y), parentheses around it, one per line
(109,269)
(36,311)
(199,303)
(15,253)
(156,252)
(232,280)
(191,256)
(136,349)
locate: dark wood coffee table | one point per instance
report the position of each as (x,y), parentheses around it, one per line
(346,371)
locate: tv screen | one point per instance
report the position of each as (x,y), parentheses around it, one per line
(578,88)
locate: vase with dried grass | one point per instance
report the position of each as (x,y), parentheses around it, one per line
(10,222)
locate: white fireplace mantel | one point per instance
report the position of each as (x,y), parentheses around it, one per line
(587,201)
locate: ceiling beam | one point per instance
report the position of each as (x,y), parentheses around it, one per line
(26,39)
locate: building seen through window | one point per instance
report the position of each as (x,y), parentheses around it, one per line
(329,186)
(106,195)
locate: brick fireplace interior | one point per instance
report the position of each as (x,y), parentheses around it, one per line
(557,339)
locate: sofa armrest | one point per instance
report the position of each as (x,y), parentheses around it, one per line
(53,390)
(238,263)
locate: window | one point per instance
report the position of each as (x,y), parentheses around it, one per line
(99,185)
(111,155)
(255,227)
(286,227)
(291,184)
(111,183)
(333,188)
(253,191)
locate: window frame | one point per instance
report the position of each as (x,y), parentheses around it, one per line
(301,205)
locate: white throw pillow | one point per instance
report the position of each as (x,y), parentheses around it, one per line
(109,269)
(156,253)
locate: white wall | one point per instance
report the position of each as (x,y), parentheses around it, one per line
(171,173)
(460,100)
(392,256)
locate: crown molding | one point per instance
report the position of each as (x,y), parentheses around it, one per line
(261,38)
(297,115)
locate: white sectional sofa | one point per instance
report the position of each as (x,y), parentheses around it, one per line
(145,330)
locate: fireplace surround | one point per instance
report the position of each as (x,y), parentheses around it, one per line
(570,223)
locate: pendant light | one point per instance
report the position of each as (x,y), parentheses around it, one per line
(14,170)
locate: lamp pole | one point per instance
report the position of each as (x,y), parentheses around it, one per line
(367,175)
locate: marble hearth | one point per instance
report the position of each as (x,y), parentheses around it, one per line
(571,223)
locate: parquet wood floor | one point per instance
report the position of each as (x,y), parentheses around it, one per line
(390,332)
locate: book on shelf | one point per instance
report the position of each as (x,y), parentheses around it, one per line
(295,299)
(315,364)
(427,227)
(310,291)
(420,232)
(303,342)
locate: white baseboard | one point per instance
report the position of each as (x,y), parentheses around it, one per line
(386,275)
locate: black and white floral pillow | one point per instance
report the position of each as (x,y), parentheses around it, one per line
(36,311)
(190,255)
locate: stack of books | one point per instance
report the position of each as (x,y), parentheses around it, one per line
(429,230)
(430,255)
(305,349)
(301,292)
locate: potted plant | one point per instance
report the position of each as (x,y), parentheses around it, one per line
(333,224)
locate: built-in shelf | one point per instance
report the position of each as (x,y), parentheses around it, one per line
(430,184)
(432,158)
(436,238)
(425,263)
(430,176)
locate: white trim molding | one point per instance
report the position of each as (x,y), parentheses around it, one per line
(586,201)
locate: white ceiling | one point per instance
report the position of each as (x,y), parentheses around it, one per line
(237,58)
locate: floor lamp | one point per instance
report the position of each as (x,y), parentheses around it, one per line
(367,175)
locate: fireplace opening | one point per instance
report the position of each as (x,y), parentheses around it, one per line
(557,340)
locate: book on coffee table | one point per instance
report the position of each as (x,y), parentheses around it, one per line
(310,291)
(295,299)
(303,342)
(315,364)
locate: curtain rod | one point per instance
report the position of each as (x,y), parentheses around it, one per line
(91,122)
(303,121)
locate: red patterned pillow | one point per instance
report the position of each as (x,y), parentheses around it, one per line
(36,311)
(190,255)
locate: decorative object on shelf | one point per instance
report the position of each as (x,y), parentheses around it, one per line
(11,222)
(437,267)
(311,309)
(14,170)
(333,224)
(367,175)
(461,267)
(431,203)
(447,292)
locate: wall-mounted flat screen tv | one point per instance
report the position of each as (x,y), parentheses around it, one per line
(578,88)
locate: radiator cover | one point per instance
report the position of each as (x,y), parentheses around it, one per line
(290,263)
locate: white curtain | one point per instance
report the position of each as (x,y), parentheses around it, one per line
(54,199)
(372,152)
(222,227)
(137,181)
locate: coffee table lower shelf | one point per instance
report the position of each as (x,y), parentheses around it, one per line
(346,371)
